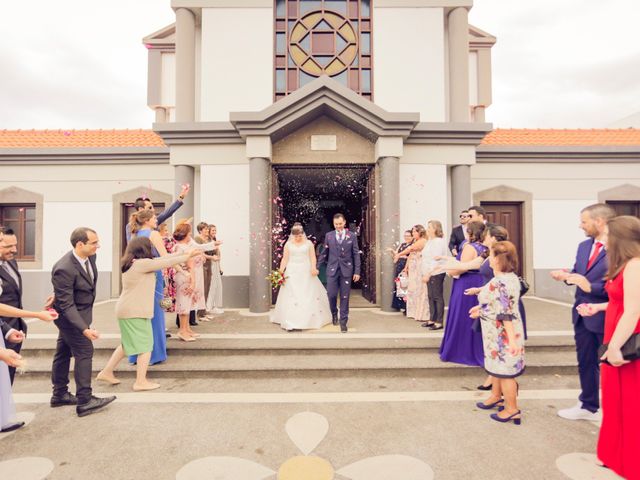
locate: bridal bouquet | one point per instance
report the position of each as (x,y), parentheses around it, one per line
(277,279)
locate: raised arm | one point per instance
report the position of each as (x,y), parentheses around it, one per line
(158,243)
(146,265)
(468,254)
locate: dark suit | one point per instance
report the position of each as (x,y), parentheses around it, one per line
(74,293)
(12,295)
(343,262)
(589,331)
(456,238)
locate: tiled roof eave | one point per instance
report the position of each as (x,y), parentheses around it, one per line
(111,155)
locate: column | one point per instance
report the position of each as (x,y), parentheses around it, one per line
(460,190)
(260,235)
(459,65)
(161,115)
(388,153)
(185,65)
(259,154)
(185,174)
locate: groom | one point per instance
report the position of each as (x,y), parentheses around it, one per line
(342,256)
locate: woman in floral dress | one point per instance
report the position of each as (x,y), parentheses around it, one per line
(168,273)
(502,332)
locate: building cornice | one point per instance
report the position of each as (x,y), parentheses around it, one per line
(442,133)
(557,154)
(76,156)
(200,133)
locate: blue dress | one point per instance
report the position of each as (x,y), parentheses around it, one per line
(461,343)
(159,352)
(487,274)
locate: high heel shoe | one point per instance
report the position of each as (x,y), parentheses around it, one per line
(516,421)
(490,406)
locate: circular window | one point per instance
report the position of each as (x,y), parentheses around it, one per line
(323,42)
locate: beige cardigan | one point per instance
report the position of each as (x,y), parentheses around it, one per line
(138,285)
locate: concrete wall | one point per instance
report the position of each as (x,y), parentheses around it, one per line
(236,61)
(409,61)
(423,193)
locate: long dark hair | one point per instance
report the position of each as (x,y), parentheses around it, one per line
(476,231)
(623,242)
(139,247)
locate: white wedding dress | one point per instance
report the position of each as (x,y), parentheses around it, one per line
(302,301)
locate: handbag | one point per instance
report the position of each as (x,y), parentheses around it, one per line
(524,286)
(402,286)
(630,350)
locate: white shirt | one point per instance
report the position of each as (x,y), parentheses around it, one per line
(436,247)
(340,235)
(83,262)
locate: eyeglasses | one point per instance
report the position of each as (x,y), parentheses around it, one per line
(464,216)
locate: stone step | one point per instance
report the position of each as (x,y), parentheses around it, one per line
(283,364)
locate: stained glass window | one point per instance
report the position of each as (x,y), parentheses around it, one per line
(323,37)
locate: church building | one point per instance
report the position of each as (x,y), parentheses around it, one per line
(292,110)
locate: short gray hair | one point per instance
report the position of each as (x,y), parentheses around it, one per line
(600,210)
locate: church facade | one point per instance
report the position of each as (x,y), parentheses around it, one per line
(291,110)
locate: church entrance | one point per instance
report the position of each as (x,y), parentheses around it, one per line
(312,195)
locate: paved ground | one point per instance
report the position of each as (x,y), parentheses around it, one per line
(375,425)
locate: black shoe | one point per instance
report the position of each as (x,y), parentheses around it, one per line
(167,335)
(436,326)
(484,388)
(343,328)
(93,405)
(427,324)
(12,426)
(334,318)
(194,323)
(65,400)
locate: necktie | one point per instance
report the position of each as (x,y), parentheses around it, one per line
(594,255)
(11,273)
(340,237)
(88,269)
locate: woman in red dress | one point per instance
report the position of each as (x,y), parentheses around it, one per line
(619,441)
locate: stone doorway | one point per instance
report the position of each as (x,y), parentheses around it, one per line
(311,195)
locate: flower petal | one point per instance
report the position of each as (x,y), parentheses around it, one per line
(306,430)
(385,467)
(223,468)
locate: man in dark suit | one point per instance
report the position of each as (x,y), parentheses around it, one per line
(15,328)
(342,256)
(74,279)
(459,233)
(588,275)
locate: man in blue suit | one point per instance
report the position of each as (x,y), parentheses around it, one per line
(342,256)
(588,276)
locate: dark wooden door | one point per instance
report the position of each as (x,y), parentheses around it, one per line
(624,207)
(508,215)
(368,240)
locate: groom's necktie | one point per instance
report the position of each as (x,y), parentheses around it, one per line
(340,237)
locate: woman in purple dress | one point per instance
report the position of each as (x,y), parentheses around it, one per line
(462,344)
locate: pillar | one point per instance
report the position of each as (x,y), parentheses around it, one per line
(460,190)
(259,154)
(161,115)
(185,174)
(185,65)
(459,65)
(388,153)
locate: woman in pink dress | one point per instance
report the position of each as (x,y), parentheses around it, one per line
(619,441)
(417,298)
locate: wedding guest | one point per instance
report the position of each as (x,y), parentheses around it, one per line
(477,214)
(435,247)
(461,344)
(143,225)
(136,307)
(10,358)
(204,237)
(12,291)
(399,303)
(417,299)
(189,280)
(169,273)
(459,233)
(74,279)
(502,333)
(214,300)
(588,274)
(619,442)
(144,203)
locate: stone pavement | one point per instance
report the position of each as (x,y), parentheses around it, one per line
(277,415)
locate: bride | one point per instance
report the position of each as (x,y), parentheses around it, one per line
(302,301)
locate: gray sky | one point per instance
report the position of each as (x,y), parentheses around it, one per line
(81,64)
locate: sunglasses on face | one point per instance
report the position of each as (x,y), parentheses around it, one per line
(464,216)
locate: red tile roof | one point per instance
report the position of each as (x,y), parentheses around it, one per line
(564,138)
(148,138)
(79,138)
